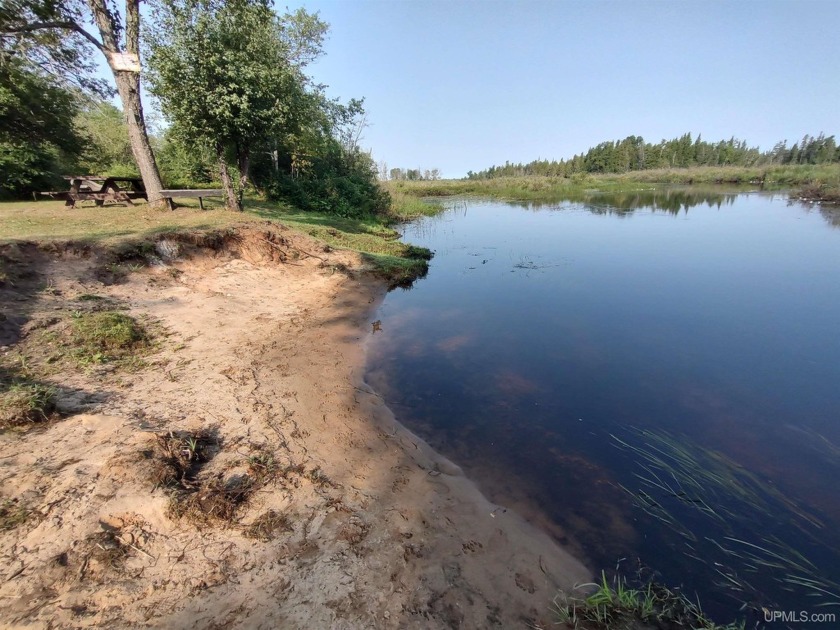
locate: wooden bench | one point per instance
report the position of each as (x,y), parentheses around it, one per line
(193,193)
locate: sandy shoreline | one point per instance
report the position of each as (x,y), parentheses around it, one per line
(380,531)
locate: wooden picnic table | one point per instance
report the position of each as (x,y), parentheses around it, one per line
(100,190)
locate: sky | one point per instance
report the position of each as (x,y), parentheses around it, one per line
(461,85)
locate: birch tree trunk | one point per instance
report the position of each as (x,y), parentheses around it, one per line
(128,87)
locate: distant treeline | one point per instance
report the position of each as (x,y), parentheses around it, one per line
(407,174)
(634,154)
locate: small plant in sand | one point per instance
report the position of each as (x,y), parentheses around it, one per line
(25,402)
(178,457)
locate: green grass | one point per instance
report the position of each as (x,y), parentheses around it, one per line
(615,606)
(106,337)
(112,226)
(546,188)
(24,402)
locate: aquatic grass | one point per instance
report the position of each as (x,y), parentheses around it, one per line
(678,484)
(613,605)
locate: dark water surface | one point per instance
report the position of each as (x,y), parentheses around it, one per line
(653,378)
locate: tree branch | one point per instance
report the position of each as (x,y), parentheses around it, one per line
(40,26)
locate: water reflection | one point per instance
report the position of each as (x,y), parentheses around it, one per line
(654,390)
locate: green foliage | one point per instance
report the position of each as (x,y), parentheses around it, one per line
(337,182)
(185,165)
(230,74)
(107,150)
(37,134)
(63,53)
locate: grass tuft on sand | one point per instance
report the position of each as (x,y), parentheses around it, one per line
(24,402)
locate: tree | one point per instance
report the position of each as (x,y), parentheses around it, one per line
(229,74)
(52,35)
(36,127)
(107,149)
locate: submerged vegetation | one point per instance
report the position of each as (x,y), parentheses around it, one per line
(743,529)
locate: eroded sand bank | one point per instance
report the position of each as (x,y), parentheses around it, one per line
(267,356)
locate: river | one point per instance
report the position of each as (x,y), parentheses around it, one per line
(653,377)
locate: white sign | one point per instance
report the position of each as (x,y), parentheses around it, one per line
(124,62)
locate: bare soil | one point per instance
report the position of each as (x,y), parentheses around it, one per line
(241,474)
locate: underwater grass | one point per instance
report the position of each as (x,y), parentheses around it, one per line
(679,482)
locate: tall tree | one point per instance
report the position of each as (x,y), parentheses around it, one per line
(52,34)
(229,75)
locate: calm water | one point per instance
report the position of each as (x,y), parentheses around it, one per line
(654,379)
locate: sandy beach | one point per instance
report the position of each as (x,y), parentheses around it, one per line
(344,518)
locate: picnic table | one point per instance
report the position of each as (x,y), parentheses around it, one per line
(100,190)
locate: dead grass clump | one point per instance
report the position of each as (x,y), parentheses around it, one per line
(267,525)
(25,402)
(12,514)
(107,549)
(216,502)
(319,478)
(177,458)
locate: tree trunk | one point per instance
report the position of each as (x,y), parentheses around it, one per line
(231,200)
(128,86)
(243,162)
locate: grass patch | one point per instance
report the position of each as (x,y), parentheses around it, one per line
(25,402)
(106,336)
(405,207)
(615,606)
(123,227)
(12,514)
(398,272)
(51,220)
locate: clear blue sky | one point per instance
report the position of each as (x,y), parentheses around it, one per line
(462,85)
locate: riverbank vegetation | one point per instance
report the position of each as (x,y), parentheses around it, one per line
(616,606)
(823,177)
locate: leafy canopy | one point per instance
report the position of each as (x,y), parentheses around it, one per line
(230,73)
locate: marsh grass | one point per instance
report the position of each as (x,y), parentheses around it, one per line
(745,530)
(613,605)
(537,188)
